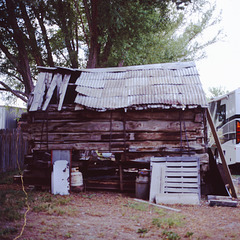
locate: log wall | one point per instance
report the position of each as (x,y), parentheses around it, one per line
(136,133)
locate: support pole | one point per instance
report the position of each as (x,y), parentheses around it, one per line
(219,147)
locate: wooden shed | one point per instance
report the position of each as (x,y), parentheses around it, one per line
(113,120)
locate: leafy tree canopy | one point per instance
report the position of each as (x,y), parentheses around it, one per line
(217,91)
(96,33)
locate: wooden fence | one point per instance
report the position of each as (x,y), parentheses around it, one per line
(12,149)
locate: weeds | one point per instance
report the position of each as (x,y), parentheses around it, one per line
(68,235)
(170,235)
(169,222)
(53,205)
(7,231)
(142,230)
(7,177)
(189,234)
(11,202)
(137,206)
(88,196)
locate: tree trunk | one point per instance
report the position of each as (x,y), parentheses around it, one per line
(40,16)
(68,36)
(94,50)
(23,61)
(31,32)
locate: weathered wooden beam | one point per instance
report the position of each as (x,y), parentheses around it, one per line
(115,137)
(56,78)
(39,91)
(221,154)
(97,126)
(157,205)
(63,89)
(165,115)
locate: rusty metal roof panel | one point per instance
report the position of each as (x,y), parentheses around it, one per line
(147,86)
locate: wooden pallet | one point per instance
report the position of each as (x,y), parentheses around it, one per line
(175,180)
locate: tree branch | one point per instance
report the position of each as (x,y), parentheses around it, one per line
(11,57)
(40,15)
(31,33)
(88,15)
(82,23)
(18,94)
(23,63)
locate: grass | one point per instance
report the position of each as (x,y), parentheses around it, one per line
(169,235)
(7,177)
(167,223)
(138,206)
(5,232)
(142,230)
(51,204)
(11,203)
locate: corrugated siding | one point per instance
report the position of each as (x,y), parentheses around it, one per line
(150,86)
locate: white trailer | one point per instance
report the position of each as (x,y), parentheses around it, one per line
(225,112)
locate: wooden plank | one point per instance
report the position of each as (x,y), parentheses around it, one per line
(174,159)
(223,203)
(102,125)
(180,190)
(104,136)
(104,146)
(162,178)
(183,180)
(59,126)
(187,198)
(221,154)
(157,205)
(8,150)
(155,181)
(181,184)
(117,115)
(153,126)
(182,174)
(183,164)
(63,89)
(56,79)
(121,171)
(39,91)
(182,170)
(3,150)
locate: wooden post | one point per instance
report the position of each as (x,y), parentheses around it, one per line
(219,147)
(121,172)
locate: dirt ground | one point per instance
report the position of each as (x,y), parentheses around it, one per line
(113,215)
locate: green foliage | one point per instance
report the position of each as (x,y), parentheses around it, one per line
(5,232)
(68,235)
(137,206)
(217,91)
(51,204)
(89,195)
(11,204)
(170,235)
(7,177)
(170,222)
(142,230)
(106,33)
(189,234)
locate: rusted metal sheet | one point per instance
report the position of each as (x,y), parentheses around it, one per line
(167,85)
(160,85)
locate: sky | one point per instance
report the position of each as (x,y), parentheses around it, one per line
(221,67)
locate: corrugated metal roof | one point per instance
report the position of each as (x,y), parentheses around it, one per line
(164,85)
